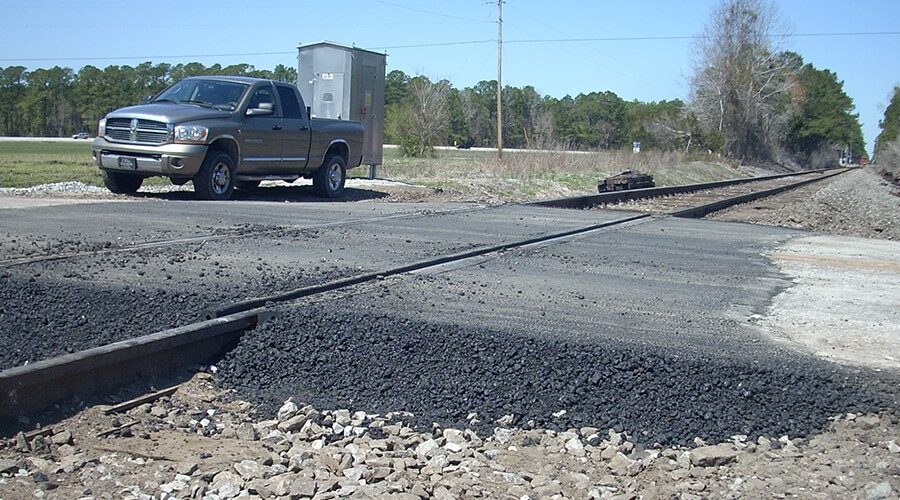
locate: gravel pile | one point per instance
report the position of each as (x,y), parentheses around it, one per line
(195,445)
(444,373)
(857,203)
(53,308)
(56,188)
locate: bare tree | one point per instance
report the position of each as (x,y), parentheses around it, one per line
(740,85)
(423,116)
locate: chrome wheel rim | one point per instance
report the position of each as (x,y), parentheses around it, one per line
(335,177)
(221,178)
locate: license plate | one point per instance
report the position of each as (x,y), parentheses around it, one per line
(128,162)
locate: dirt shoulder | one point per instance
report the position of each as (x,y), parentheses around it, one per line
(857,203)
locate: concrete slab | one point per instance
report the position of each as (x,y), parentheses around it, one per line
(844,303)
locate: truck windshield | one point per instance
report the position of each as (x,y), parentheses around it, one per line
(206,93)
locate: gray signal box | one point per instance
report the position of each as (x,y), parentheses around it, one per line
(345,83)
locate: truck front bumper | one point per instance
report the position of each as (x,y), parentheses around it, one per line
(170,160)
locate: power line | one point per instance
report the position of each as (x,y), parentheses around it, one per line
(443,44)
(617,68)
(287,25)
(423,11)
(120,58)
(438,44)
(695,37)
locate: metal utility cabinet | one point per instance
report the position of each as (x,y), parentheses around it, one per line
(346,83)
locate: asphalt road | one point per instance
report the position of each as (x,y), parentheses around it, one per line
(137,268)
(647,327)
(644,328)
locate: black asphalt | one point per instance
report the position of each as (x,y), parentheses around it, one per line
(644,328)
(48,308)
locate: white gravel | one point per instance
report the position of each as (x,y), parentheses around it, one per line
(71,192)
(56,188)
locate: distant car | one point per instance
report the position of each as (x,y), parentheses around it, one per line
(81,135)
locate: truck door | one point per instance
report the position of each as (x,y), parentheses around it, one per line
(261,137)
(295,148)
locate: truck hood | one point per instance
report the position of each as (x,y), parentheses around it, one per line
(169,112)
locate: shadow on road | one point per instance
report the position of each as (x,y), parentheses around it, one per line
(276,193)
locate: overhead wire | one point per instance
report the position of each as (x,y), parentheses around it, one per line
(423,11)
(435,44)
(577,54)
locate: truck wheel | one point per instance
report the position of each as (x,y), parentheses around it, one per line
(215,179)
(246,185)
(120,183)
(328,181)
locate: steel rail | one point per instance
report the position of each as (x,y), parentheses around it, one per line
(592,200)
(708,208)
(36,386)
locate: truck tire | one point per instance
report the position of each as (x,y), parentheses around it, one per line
(121,183)
(328,181)
(246,185)
(215,179)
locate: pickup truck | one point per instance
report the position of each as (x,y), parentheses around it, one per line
(222,133)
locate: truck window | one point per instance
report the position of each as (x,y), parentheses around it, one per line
(289,103)
(262,95)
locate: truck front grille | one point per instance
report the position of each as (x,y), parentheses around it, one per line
(135,131)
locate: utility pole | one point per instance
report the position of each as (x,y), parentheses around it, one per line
(499,79)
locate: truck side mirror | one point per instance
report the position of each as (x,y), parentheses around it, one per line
(264,108)
(146,99)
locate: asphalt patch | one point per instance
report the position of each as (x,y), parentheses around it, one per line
(444,372)
(46,313)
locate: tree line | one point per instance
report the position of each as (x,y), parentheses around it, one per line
(60,101)
(887,144)
(750,100)
(818,119)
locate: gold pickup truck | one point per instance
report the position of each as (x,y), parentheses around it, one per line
(222,133)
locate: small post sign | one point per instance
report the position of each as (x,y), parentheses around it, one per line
(636,147)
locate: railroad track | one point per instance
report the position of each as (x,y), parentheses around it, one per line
(37,386)
(611,199)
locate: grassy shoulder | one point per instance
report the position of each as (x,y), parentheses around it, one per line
(540,174)
(459,173)
(26,164)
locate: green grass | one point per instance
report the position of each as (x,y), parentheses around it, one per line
(464,174)
(26,164)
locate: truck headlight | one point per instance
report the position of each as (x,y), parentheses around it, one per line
(191,133)
(101,128)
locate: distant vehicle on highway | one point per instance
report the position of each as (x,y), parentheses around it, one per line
(222,133)
(81,135)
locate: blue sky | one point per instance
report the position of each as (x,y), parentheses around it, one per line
(42,33)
